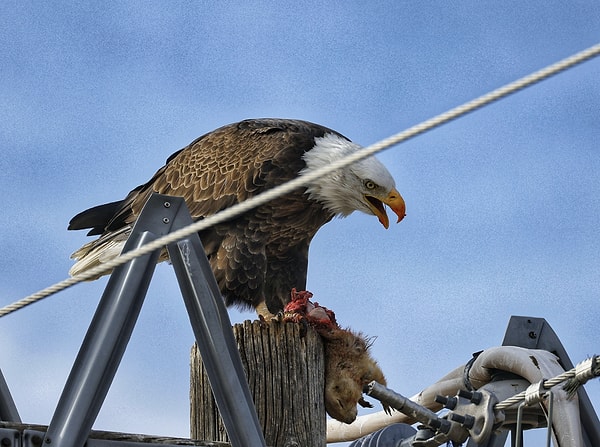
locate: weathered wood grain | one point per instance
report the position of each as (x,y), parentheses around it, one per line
(285,372)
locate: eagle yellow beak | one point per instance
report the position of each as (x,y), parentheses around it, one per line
(394,200)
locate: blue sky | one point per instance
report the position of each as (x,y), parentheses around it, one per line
(502,205)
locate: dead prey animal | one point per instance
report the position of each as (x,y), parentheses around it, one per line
(348,363)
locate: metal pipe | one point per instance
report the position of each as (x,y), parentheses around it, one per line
(519,427)
(550,415)
(407,406)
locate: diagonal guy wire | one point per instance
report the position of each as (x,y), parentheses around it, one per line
(302,180)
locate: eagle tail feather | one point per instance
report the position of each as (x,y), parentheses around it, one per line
(96,218)
(99,251)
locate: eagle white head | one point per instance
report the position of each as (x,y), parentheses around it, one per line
(365,185)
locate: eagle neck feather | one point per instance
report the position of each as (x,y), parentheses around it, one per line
(331,190)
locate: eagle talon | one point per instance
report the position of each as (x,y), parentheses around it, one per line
(262,321)
(364,403)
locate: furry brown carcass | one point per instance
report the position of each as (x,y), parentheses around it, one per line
(348,363)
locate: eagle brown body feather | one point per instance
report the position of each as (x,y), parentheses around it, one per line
(259,255)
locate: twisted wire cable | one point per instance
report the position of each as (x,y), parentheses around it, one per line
(574,378)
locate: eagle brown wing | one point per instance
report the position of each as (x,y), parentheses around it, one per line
(216,171)
(227,166)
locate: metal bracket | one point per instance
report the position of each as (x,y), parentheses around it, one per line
(113,322)
(10,437)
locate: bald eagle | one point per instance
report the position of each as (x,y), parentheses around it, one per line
(260,256)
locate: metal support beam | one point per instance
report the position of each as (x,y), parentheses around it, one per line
(102,349)
(112,325)
(8,409)
(108,334)
(214,336)
(536,333)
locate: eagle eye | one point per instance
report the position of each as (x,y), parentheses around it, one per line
(370,184)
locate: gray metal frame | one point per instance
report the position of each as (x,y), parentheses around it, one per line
(8,409)
(525,332)
(536,333)
(110,330)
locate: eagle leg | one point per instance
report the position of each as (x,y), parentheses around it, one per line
(265,315)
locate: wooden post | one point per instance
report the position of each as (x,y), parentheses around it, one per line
(285,372)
